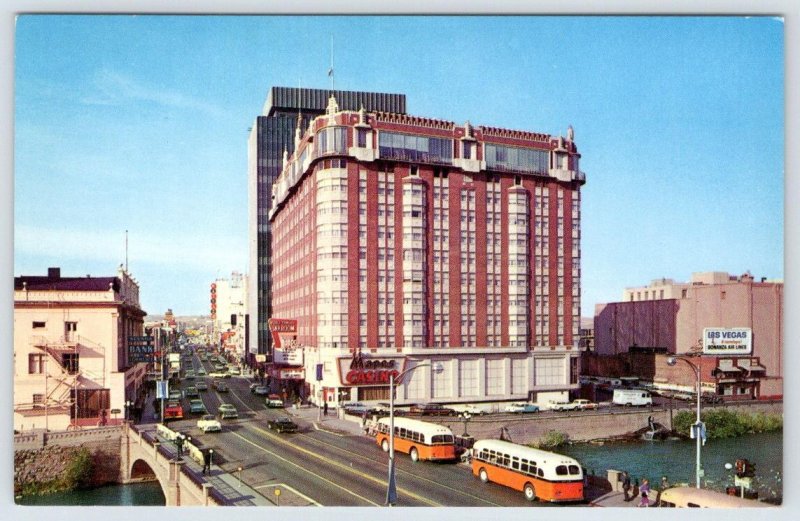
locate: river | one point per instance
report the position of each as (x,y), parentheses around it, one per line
(676,460)
(135,494)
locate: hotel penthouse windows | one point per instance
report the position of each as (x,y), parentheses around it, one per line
(514,159)
(407,147)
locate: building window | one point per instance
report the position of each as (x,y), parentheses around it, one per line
(722,296)
(467,150)
(70,362)
(35,363)
(362,138)
(38,401)
(38,325)
(573,370)
(684,293)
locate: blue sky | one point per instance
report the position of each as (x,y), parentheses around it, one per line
(141,123)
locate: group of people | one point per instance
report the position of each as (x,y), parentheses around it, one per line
(644,490)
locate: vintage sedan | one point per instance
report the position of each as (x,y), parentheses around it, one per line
(201,385)
(261,390)
(274,401)
(196,406)
(208,423)
(282,425)
(521,408)
(227,410)
(431,409)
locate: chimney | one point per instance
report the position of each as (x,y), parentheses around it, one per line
(53,273)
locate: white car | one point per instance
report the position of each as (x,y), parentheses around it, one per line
(470,409)
(521,408)
(208,423)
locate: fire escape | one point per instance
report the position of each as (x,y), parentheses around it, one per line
(65,374)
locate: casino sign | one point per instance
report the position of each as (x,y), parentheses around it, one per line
(363,371)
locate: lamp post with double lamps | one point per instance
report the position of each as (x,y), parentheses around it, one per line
(391,491)
(697,428)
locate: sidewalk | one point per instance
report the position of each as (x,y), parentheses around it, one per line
(330,423)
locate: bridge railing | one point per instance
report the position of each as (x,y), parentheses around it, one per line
(150,438)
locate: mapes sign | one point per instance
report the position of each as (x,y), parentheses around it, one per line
(369,371)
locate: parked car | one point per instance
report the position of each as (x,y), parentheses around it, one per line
(274,401)
(261,390)
(234,370)
(196,407)
(521,407)
(282,425)
(173,411)
(431,409)
(201,385)
(584,405)
(710,398)
(687,397)
(208,423)
(469,409)
(355,408)
(227,410)
(221,386)
(191,391)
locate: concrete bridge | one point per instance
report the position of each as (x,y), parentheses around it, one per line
(146,453)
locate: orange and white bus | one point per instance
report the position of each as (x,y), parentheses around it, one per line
(420,440)
(538,473)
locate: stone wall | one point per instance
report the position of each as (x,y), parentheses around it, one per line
(45,458)
(580,427)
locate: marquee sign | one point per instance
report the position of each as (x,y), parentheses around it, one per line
(727,341)
(362,371)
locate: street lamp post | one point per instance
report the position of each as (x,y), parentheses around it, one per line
(697,427)
(466,417)
(391,491)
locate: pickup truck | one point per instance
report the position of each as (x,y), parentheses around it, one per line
(576,405)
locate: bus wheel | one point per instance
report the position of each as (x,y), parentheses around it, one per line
(484,475)
(385,445)
(414,454)
(530,492)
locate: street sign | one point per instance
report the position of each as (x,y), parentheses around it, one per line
(162,389)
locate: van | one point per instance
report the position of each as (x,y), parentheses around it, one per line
(629,397)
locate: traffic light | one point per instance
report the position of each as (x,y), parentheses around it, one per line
(745,469)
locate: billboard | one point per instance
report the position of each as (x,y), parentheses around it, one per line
(727,341)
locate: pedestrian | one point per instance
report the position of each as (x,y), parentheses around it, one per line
(206,462)
(664,483)
(644,490)
(626,486)
(325,408)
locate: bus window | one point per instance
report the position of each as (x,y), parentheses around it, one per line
(561,470)
(574,470)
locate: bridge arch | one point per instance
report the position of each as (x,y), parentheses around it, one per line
(141,471)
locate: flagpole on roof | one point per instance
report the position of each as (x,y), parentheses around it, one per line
(330,71)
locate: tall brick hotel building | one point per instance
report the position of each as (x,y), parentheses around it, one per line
(400,240)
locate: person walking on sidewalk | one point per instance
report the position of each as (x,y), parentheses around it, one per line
(325,408)
(644,490)
(206,461)
(626,486)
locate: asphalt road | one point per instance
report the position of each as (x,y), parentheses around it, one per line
(314,467)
